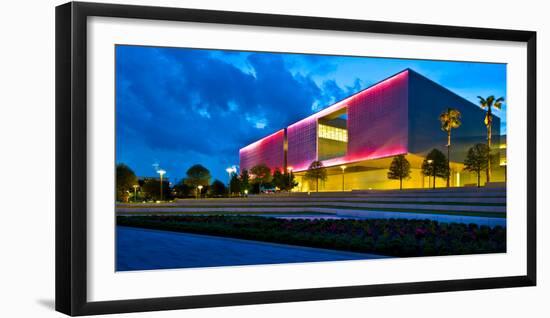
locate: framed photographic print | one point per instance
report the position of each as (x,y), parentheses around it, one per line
(208,158)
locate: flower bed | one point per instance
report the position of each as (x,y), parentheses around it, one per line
(392,237)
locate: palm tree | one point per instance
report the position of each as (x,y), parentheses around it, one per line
(489,103)
(449,119)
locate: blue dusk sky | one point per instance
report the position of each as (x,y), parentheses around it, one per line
(176,107)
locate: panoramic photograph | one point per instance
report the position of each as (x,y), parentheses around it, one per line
(240,158)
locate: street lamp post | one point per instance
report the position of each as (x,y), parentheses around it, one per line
(161,173)
(135,192)
(230,171)
(503,164)
(343,176)
(431,162)
(199,192)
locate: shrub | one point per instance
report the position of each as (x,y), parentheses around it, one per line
(393,237)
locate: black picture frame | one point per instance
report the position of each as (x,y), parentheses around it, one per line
(71,157)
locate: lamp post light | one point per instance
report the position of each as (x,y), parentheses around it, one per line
(161,173)
(135,186)
(343,167)
(199,192)
(430,161)
(503,164)
(230,171)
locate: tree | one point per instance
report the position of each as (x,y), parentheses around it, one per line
(197,175)
(289,181)
(284,181)
(400,169)
(244,178)
(261,175)
(151,189)
(488,103)
(278,179)
(217,189)
(234,184)
(316,171)
(125,180)
(477,160)
(183,190)
(435,165)
(199,193)
(450,119)
(255,188)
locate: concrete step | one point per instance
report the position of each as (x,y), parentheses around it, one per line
(288,200)
(448,201)
(440,193)
(313,205)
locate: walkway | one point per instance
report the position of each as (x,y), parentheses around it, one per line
(142,249)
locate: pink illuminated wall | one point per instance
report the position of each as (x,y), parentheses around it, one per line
(268,150)
(302,144)
(377,125)
(377,128)
(378,120)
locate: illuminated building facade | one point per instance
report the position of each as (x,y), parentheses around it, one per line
(399,115)
(269,150)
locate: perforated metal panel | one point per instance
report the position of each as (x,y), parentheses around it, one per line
(302,144)
(269,151)
(377,120)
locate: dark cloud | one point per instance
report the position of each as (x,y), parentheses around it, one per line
(188,105)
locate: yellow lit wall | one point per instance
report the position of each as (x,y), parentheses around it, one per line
(373,179)
(378,180)
(329,148)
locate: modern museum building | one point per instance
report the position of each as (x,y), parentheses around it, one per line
(357,137)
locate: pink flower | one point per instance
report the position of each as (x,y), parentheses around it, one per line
(420,232)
